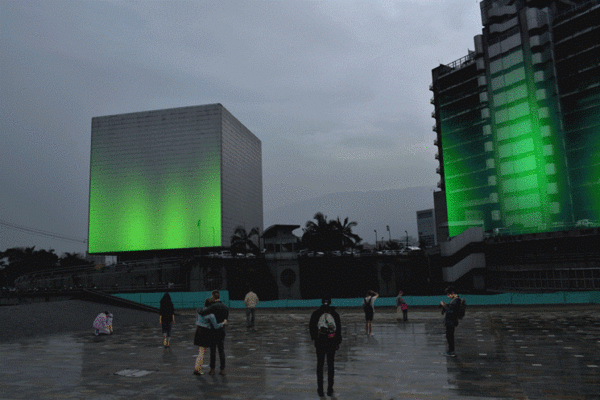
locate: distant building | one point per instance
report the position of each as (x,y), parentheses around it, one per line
(517,120)
(441,217)
(179,178)
(280,242)
(426,227)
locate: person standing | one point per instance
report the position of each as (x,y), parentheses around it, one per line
(251,300)
(369,309)
(401,306)
(326,331)
(166,318)
(451,311)
(221,312)
(211,299)
(205,328)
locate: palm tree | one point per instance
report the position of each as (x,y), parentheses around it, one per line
(317,235)
(241,241)
(326,236)
(345,236)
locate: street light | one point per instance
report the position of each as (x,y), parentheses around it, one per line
(199,225)
(375,239)
(406,240)
(390,233)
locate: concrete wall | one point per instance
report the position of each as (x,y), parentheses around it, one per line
(188,300)
(458,242)
(242,196)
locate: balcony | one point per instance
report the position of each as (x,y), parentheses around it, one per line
(431,87)
(434,128)
(432,100)
(438,171)
(435,142)
(433,114)
(437,156)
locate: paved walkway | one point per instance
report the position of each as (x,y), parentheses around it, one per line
(521,353)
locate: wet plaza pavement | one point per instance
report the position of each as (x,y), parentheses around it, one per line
(519,353)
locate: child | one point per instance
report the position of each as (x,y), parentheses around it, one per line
(103,323)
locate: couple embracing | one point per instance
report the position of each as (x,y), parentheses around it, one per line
(210,332)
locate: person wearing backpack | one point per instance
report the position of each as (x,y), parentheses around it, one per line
(326,332)
(369,309)
(451,311)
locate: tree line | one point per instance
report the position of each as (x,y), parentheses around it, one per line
(18,261)
(318,235)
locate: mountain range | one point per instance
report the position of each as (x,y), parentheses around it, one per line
(372,210)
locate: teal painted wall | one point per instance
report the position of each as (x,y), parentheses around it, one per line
(191,300)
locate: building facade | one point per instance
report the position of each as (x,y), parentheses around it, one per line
(518,120)
(426,227)
(172,179)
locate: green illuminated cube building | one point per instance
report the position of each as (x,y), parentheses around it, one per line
(172,179)
(518,120)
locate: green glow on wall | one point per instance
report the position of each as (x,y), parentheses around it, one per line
(532,186)
(583,155)
(133,208)
(514,175)
(465,177)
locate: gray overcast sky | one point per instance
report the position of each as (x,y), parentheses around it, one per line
(337,91)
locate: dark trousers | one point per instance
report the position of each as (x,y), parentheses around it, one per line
(213,347)
(450,337)
(250,317)
(323,351)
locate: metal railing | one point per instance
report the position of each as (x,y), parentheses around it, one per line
(463,61)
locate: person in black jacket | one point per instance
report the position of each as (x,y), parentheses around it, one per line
(326,331)
(221,312)
(451,318)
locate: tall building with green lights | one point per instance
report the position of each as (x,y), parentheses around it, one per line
(518,120)
(172,179)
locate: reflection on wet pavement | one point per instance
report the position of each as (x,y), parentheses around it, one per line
(517,354)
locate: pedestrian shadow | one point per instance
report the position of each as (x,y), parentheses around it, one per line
(168,356)
(370,340)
